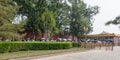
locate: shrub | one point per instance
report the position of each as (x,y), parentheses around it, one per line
(4,47)
(39,46)
(55,46)
(67,45)
(22,46)
(18,46)
(25,46)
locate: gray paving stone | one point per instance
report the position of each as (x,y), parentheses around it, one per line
(95,54)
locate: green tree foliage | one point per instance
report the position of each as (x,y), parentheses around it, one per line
(39,18)
(32,9)
(52,15)
(8,10)
(116,21)
(61,12)
(81,17)
(48,23)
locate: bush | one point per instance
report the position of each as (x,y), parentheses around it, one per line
(55,46)
(4,47)
(23,46)
(67,45)
(76,44)
(14,47)
(19,46)
(39,46)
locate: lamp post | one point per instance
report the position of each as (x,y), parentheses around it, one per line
(85,29)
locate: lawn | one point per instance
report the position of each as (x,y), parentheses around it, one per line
(42,53)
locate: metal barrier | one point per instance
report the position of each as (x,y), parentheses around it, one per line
(106,46)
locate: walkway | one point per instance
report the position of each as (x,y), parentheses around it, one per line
(89,55)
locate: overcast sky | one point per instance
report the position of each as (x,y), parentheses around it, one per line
(109,9)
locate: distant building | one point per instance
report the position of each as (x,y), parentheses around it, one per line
(104,36)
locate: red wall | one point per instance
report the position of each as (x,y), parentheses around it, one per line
(54,37)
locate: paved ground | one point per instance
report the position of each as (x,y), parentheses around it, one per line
(89,55)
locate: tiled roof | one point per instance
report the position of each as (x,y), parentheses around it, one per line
(103,34)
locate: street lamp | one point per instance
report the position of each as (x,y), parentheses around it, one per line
(85,29)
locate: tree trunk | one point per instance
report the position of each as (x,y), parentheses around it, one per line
(34,37)
(73,38)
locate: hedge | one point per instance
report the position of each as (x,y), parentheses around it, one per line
(4,47)
(23,46)
(67,45)
(55,46)
(39,46)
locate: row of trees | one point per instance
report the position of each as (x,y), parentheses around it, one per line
(41,16)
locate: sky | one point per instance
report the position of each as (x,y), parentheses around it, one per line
(109,9)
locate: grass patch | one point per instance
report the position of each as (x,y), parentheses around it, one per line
(23,54)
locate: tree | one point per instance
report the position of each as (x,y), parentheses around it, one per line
(48,23)
(32,9)
(53,15)
(61,13)
(39,18)
(80,17)
(8,10)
